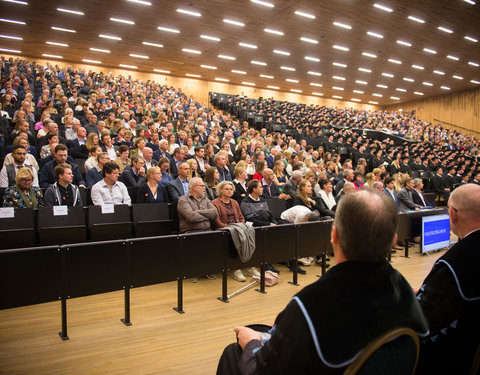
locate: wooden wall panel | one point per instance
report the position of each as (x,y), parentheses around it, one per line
(459,110)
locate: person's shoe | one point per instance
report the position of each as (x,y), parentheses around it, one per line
(299,270)
(194,279)
(304,261)
(238,275)
(269,267)
(252,271)
(211,277)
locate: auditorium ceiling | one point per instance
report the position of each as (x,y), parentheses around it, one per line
(379,52)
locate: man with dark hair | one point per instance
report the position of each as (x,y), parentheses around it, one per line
(134,175)
(9,171)
(450,294)
(95,174)
(63,192)
(440,185)
(110,190)
(47,173)
(179,186)
(177,158)
(329,322)
(405,196)
(254,207)
(199,157)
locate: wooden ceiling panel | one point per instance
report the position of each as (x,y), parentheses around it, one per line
(361,15)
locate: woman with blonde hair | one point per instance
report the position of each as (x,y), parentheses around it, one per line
(152,191)
(278,172)
(92,140)
(369,179)
(23,194)
(193,168)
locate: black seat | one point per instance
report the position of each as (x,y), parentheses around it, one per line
(109,226)
(59,230)
(18,231)
(151,219)
(276,206)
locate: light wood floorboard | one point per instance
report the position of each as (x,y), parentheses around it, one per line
(160,341)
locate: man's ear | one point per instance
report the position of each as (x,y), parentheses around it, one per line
(395,238)
(334,235)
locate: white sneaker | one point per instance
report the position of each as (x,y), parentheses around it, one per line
(238,275)
(304,261)
(252,271)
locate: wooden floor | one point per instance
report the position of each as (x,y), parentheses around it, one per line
(160,341)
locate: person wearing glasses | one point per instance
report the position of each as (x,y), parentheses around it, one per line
(9,171)
(23,194)
(109,190)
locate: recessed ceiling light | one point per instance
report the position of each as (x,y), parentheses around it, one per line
(400,89)
(264,3)
(16,2)
(193,75)
(99,50)
(419,67)
(339,78)
(153,44)
(314,73)
(427,83)
(289,68)
(355,100)
(451,57)
(445,30)
(274,87)
(248,83)
(416,19)
(341,48)
(266,76)
(11,37)
(77,12)
(337,97)
(63,29)
(377,95)
(337,88)
(305,14)
(365,70)
(208,37)
(208,67)
(389,75)
(162,71)
(188,12)
(12,21)
(408,79)
(316,84)
(292,80)
(382,86)
(226,57)
(429,50)
(404,43)
(91,61)
(255,62)
(372,102)
(139,56)
(376,35)
(194,51)
(238,71)
(470,2)
(445,87)
(272,31)
(339,64)
(474,81)
(317,93)
(247,45)
(439,72)
(394,98)
(471,39)
(109,37)
(473,63)
(53,56)
(383,7)
(358,91)
(10,50)
(457,77)
(168,29)
(418,93)
(142,2)
(342,25)
(309,40)
(361,82)
(120,20)
(128,66)
(57,44)
(311,58)
(280,52)
(232,22)
(394,61)
(222,79)
(368,54)
(296,90)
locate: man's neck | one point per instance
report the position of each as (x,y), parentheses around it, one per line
(254,197)
(63,183)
